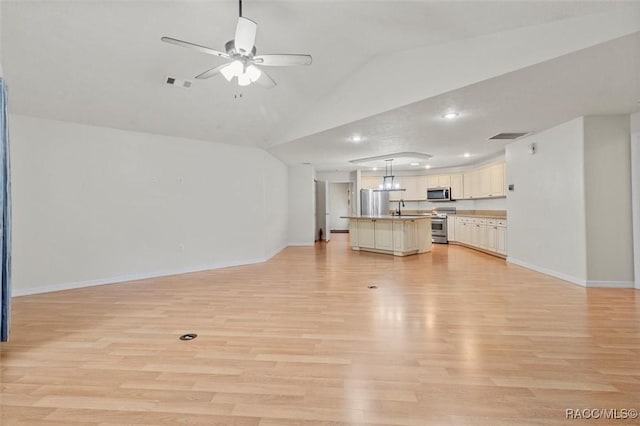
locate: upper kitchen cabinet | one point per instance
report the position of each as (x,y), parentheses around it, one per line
(485,182)
(413,186)
(432,181)
(497,178)
(444,181)
(457,191)
(370,182)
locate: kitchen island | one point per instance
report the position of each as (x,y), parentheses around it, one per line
(396,235)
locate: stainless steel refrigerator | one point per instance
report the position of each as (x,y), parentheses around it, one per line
(374,203)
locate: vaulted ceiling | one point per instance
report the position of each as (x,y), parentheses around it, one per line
(384,70)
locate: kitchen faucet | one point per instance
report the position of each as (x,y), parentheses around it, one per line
(399,211)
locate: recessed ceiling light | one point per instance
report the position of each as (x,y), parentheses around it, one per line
(428,166)
(467,155)
(356,138)
(374,169)
(450,115)
(415,164)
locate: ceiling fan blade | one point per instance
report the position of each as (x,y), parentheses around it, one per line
(282,60)
(210,73)
(245,35)
(265,80)
(193,46)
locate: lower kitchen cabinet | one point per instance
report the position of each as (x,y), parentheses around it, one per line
(383,234)
(489,235)
(400,237)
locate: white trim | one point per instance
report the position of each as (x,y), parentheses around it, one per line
(574,280)
(610,284)
(301,244)
(132,277)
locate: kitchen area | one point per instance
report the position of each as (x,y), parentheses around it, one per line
(406,214)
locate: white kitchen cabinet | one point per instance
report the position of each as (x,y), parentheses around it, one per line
(366,233)
(444,181)
(501,237)
(457,191)
(486,234)
(405,236)
(396,236)
(383,234)
(497,180)
(482,186)
(451,228)
(370,182)
(468,184)
(421,187)
(432,181)
(491,234)
(485,182)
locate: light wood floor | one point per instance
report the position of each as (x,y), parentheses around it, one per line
(452,337)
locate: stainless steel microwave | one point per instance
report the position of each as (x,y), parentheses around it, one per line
(439,194)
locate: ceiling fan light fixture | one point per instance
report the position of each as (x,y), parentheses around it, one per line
(253,72)
(244,80)
(234,69)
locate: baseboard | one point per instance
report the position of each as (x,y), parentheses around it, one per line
(555,274)
(132,277)
(301,244)
(610,284)
(339,231)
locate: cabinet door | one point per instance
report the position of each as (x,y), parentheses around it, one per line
(421,187)
(483,183)
(370,182)
(451,228)
(456,187)
(444,181)
(366,235)
(432,181)
(459,230)
(383,230)
(410,235)
(497,180)
(468,184)
(397,195)
(409,183)
(490,236)
(501,239)
(353,232)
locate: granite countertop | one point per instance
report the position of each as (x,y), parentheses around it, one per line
(390,217)
(499,216)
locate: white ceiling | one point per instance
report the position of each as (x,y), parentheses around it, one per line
(102,63)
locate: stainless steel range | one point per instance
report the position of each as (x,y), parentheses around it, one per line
(439,224)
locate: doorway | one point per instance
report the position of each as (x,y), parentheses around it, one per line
(339,194)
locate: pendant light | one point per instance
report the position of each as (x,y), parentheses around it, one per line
(388,183)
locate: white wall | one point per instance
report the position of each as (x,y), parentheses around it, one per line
(276,199)
(1,39)
(546,211)
(339,195)
(94,205)
(607,168)
(635,182)
(301,205)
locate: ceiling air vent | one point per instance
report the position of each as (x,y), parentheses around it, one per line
(507,136)
(172,81)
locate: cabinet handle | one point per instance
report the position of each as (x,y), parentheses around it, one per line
(495,227)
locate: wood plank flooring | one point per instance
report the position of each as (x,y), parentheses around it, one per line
(451,337)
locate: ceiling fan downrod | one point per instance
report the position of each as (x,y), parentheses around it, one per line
(240,7)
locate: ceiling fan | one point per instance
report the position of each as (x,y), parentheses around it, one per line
(241,53)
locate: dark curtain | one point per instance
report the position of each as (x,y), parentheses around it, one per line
(5,219)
